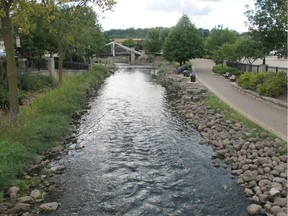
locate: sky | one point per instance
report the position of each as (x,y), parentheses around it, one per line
(204,14)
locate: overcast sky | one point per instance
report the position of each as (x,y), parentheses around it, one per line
(165,13)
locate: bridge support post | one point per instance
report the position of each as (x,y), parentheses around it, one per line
(113,49)
(133,55)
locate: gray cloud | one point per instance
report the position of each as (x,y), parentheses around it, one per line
(188,7)
(164,5)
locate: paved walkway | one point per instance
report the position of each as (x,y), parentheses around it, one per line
(269,116)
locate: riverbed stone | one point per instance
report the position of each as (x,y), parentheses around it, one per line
(13,189)
(275,210)
(36,194)
(26,199)
(282,202)
(20,208)
(48,207)
(274,192)
(253,209)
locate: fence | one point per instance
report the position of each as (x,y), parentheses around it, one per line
(41,65)
(72,65)
(256,68)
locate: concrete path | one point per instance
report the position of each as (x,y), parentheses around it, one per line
(271,117)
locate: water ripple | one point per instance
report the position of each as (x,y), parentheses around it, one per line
(141,159)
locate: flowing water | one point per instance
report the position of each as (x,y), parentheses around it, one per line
(141,159)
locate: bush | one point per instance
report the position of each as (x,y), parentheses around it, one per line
(246,80)
(272,84)
(29,82)
(266,83)
(222,69)
(4,99)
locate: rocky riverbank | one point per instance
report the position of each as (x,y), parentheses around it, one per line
(254,160)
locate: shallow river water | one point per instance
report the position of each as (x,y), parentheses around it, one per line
(141,159)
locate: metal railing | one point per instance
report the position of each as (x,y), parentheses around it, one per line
(256,68)
(72,65)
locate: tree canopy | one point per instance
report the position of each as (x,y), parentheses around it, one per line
(183,42)
(155,39)
(218,37)
(268,24)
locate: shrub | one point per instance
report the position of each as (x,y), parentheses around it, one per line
(222,69)
(266,83)
(245,80)
(30,82)
(272,84)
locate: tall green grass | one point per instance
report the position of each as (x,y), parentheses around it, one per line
(43,124)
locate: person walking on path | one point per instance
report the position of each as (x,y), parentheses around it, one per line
(271,117)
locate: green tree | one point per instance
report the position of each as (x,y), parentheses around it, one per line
(218,37)
(15,11)
(268,24)
(129,43)
(248,50)
(153,44)
(183,42)
(225,52)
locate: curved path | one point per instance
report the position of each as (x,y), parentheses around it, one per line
(267,115)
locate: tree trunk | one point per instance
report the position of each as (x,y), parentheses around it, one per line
(11,67)
(60,63)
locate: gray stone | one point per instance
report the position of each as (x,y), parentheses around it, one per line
(58,169)
(282,214)
(36,194)
(263,198)
(280,168)
(282,202)
(248,192)
(275,210)
(26,199)
(274,192)
(48,207)
(249,175)
(279,180)
(253,209)
(20,208)
(283,158)
(13,189)
(276,185)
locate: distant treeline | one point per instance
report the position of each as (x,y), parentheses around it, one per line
(141,33)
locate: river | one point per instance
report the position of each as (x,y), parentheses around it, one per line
(140,158)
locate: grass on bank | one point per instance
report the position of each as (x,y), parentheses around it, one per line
(43,124)
(230,114)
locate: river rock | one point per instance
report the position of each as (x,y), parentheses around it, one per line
(282,202)
(26,199)
(275,210)
(249,175)
(36,194)
(274,192)
(254,209)
(48,207)
(13,189)
(58,169)
(20,208)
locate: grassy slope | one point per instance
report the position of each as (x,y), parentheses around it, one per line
(43,124)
